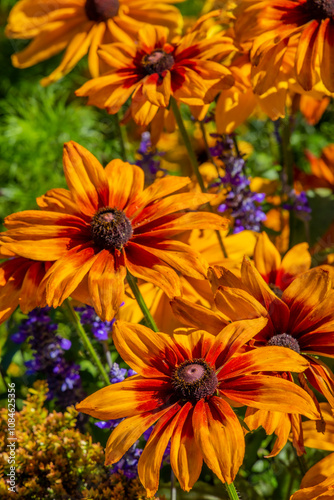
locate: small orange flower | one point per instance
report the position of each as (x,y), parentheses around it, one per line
(106,224)
(80,26)
(276,25)
(185,383)
(152,70)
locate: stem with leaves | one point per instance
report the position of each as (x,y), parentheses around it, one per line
(85,340)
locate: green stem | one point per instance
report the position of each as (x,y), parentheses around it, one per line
(141,302)
(85,340)
(287,156)
(193,161)
(187,143)
(232,492)
(121,136)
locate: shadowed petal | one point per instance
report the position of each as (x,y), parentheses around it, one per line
(185,455)
(219,436)
(150,460)
(269,393)
(127,433)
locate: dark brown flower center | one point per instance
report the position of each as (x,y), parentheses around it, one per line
(320,9)
(193,380)
(157,62)
(101,10)
(284,340)
(110,228)
(276,289)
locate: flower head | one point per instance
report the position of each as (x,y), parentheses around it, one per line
(274,27)
(152,70)
(106,224)
(184,383)
(80,27)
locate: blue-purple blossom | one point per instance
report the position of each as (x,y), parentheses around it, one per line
(242,203)
(129,462)
(299,204)
(149,159)
(48,348)
(100,329)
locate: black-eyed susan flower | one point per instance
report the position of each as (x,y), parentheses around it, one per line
(272,27)
(152,70)
(185,384)
(301,319)
(105,224)
(80,26)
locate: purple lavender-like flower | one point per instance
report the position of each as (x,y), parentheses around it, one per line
(240,201)
(100,329)
(62,376)
(299,204)
(149,159)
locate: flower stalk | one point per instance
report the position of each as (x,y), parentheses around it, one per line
(141,302)
(231,491)
(85,340)
(193,160)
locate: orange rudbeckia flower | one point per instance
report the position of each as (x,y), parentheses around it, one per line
(275,25)
(80,26)
(318,482)
(106,224)
(301,320)
(152,70)
(185,383)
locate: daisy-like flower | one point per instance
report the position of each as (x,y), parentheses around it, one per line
(276,25)
(278,273)
(105,224)
(300,320)
(185,383)
(152,70)
(318,482)
(80,26)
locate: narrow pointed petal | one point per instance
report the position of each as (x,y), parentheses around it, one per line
(185,455)
(85,178)
(106,285)
(268,393)
(128,432)
(148,353)
(196,315)
(150,460)
(264,359)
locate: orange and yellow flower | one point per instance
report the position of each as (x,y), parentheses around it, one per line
(318,482)
(185,384)
(302,319)
(80,26)
(152,71)
(106,224)
(274,26)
